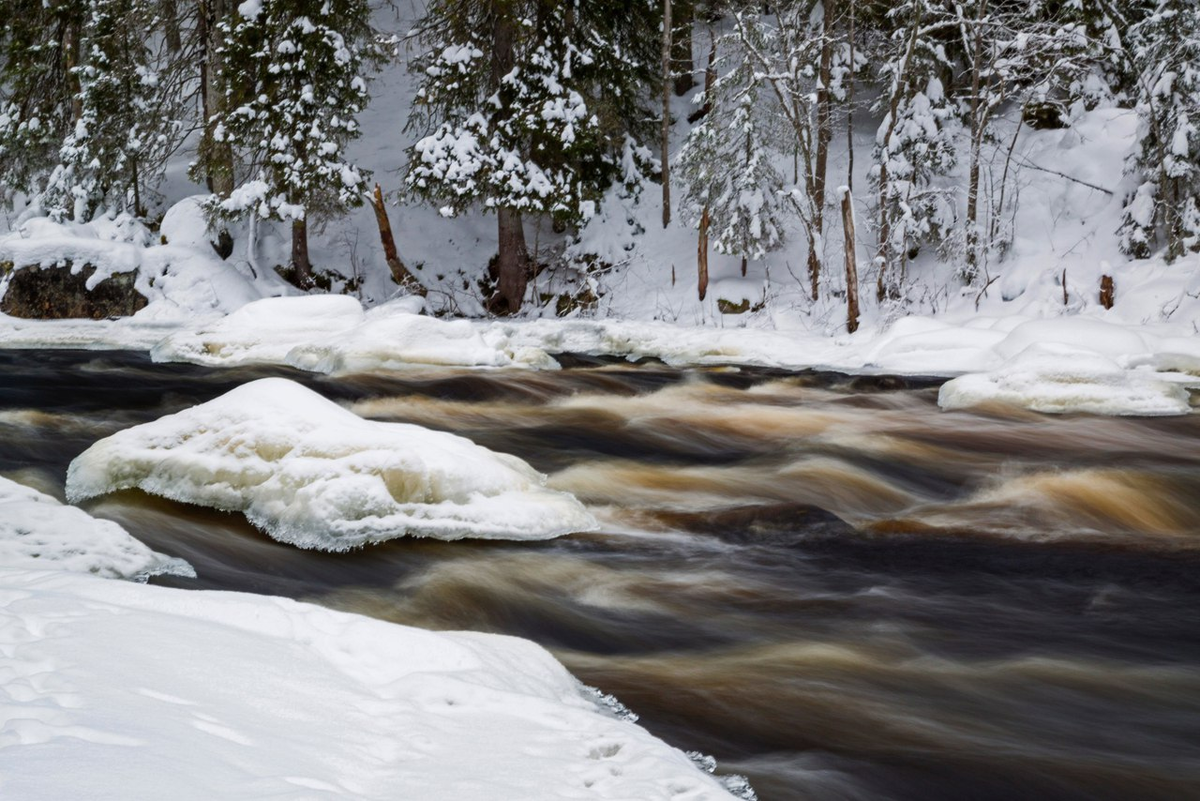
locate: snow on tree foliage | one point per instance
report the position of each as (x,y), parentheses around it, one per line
(39,46)
(125,128)
(295,83)
(1166,206)
(533,139)
(726,164)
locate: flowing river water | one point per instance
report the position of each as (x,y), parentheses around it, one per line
(825,582)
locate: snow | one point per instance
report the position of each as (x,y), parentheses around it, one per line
(124,691)
(39,533)
(1057,379)
(315,475)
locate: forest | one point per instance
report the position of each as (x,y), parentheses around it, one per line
(542,111)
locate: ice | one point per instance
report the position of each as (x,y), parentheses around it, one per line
(1058,378)
(39,533)
(123,691)
(315,475)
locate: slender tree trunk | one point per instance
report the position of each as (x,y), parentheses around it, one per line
(851,261)
(977,129)
(217,156)
(301,266)
(666,114)
(710,78)
(702,254)
(850,105)
(400,273)
(824,137)
(170,12)
(681,47)
(512,263)
(71,50)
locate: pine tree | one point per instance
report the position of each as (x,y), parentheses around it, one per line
(39,49)
(526,107)
(726,166)
(128,119)
(1166,206)
(295,82)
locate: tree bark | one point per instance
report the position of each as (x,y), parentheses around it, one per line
(702,254)
(851,261)
(824,137)
(710,78)
(512,263)
(301,267)
(666,114)
(977,128)
(170,11)
(1107,291)
(681,47)
(400,272)
(217,156)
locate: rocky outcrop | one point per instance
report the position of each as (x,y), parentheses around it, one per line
(57,293)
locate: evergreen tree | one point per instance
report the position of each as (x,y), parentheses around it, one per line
(726,166)
(128,119)
(526,107)
(294,80)
(1166,206)
(39,49)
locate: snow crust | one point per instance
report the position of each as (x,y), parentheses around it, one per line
(124,691)
(39,533)
(315,475)
(1057,379)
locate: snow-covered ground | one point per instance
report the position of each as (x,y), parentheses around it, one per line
(313,474)
(123,691)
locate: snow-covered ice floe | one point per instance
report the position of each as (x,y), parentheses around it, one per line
(39,533)
(125,691)
(313,474)
(1060,379)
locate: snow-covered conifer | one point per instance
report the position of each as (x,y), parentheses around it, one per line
(525,107)
(1165,209)
(295,80)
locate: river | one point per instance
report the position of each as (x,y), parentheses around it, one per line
(825,582)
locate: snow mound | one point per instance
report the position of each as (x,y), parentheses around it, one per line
(313,474)
(39,533)
(398,340)
(1058,379)
(111,696)
(262,332)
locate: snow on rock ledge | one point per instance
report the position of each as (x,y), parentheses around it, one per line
(1058,379)
(313,474)
(162,693)
(39,533)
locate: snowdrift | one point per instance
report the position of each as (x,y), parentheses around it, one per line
(120,691)
(315,475)
(39,533)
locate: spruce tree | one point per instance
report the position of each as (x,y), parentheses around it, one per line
(726,169)
(1166,206)
(128,117)
(526,107)
(295,81)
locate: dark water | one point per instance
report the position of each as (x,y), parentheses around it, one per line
(827,583)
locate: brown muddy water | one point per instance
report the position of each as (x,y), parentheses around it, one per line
(830,585)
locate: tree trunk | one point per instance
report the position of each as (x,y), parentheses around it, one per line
(977,129)
(1107,291)
(217,156)
(400,273)
(681,47)
(702,254)
(170,12)
(512,263)
(666,114)
(301,267)
(824,137)
(851,261)
(710,78)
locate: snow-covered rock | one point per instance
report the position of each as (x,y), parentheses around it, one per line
(313,474)
(1058,378)
(39,533)
(121,691)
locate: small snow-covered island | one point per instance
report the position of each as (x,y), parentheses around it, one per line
(666,400)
